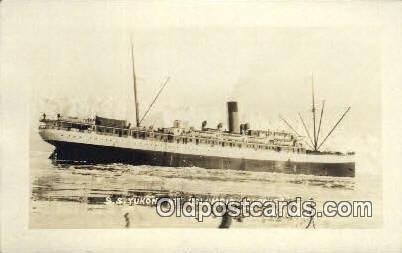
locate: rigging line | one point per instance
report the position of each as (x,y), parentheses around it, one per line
(156,97)
(308,144)
(305,128)
(333,128)
(319,125)
(288,124)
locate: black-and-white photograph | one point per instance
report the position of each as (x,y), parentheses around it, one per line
(125,118)
(183,125)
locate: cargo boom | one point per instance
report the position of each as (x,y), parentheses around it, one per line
(103,140)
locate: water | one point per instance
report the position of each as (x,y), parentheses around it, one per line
(74,196)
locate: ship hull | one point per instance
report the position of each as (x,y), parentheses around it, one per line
(81,153)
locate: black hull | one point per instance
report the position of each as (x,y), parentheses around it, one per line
(92,154)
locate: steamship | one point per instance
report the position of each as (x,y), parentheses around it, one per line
(101,140)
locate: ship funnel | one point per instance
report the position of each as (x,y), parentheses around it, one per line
(233,117)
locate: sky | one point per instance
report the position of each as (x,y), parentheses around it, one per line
(75,59)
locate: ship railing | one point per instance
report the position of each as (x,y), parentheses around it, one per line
(226,142)
(72,120)
(197,140)
(213,141)
(64,128)
(167,137)
(65,125)
(172,138)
